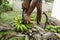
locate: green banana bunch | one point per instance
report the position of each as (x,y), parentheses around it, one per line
(23,27)
(32,19)
(55,29)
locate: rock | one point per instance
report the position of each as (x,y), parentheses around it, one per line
(30,34)
(47,35)
(30,31)
(34,30)
(37,36)
(39,29)
(35,33)
(26,37)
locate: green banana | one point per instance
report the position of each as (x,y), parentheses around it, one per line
(24,27)
(32,19)
(28,26)
(53,30)
(14,21)
(33,15)
(18,28)
(21,28)
(58,30)
(14,24)
(15,18)
(46,30)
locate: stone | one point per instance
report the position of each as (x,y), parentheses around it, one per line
(34,30)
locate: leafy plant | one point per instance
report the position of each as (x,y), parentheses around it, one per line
(1,10)
(4,6)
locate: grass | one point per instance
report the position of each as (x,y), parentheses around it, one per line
(9,16)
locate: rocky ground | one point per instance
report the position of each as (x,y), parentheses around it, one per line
(35,33)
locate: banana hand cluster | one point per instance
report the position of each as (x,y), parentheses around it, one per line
(22,27)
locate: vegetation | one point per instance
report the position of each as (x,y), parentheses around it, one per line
(49,0)
(4,6)
(11,38)
(9,16)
